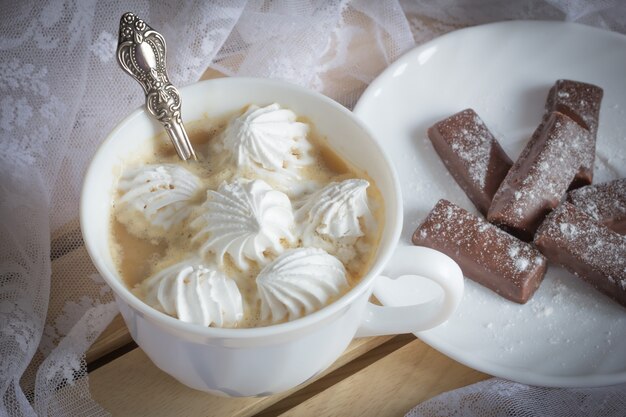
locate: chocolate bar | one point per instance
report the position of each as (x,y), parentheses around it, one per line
(472,155)
(581,102)
(571,238)
(605,202)
(486,254)
(539,178)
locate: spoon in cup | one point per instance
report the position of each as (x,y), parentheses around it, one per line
(141,53)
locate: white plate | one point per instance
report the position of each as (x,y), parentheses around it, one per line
(568,335)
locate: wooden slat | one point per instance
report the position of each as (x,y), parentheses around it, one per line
(133,385)
(391,386)
(210,73)
(113,337)
(338,375)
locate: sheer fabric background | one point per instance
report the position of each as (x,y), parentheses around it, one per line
(61,92)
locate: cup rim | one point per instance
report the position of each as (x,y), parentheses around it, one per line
(122,291)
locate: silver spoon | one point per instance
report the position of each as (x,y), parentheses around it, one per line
(141,53)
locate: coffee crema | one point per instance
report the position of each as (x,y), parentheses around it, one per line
(270,224)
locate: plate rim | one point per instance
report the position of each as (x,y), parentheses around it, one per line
(516,374)
(408,55)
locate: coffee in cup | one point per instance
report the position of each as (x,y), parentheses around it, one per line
(269,225)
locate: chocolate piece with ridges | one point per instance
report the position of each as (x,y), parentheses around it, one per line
(539,178)
(486,254)
(581,102)
(571,238)
(472,155)
(605,202)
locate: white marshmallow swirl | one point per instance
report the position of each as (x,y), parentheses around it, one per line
(333,212)
(244,219)
(195,293)
(298,282)
(162,193)
(265,137)
(268,143)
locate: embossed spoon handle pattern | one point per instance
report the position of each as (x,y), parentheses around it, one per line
(141,53)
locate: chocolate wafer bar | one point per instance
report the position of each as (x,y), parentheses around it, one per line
(571,238)
(472,155)
(486,254)
(539,178)
(581,102)
(605,202)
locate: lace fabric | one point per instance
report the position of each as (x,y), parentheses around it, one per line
(501,398)
(61,92)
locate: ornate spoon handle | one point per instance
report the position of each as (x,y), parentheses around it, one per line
(141,53)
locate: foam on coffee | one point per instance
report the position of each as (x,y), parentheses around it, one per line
(142,249)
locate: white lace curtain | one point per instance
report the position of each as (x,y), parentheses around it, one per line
(61,92)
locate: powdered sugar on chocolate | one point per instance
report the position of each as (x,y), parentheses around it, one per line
(573,239)
(485,253)
(473,146)
(540,177)
(578,100)
(604,202)
(581,102)
(472,155)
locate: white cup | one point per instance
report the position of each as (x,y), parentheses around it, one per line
(266,360)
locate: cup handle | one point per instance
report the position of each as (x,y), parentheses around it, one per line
(421,262)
